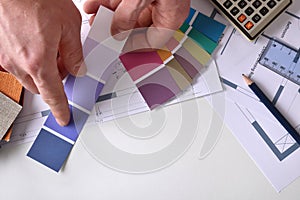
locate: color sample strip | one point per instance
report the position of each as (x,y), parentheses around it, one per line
(209,27)
(88,46)
(103,25)
(186,24)
(78,118)
(54,142)
(191,48)
(83,91)
(139,64)
(50,150)
(191,15)
(178,35)
(179,74)
(172,44)
(96,66)
(197,52)
(184,27)
(158,88)
(188,62)
(208,45)
(164,55)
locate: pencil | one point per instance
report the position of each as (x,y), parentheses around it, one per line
(264,99)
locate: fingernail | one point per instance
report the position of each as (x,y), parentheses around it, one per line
(62,122)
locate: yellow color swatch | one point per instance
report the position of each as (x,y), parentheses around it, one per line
(178,35)
(196,51)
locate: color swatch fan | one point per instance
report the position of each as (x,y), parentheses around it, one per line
(159,75)
(163,74)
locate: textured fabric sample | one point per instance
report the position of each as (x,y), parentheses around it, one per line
(9,110)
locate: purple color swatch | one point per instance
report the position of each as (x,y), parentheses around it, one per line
(140,63)
(72,130)
(89,45)
(83,91)
(188,62)
(99,59)
(158,88)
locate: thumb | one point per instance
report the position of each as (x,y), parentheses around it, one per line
(70,52)
(127,14)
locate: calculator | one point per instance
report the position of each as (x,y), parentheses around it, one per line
(251,17)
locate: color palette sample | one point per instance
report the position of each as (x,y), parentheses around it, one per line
(54,143)
(159,75)
(163,74)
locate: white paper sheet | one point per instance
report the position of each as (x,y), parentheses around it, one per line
(267,142)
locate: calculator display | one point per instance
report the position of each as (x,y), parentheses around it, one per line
(251,17)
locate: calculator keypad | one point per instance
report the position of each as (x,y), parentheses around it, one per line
(251,16)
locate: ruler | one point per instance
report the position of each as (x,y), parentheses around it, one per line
(283,59)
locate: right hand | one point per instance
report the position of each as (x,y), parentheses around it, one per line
(40,45)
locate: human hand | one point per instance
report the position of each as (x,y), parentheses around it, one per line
(162,16)
(40,45)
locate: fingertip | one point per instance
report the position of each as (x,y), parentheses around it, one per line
(63,121)
(63,118)
(79,70)
(92,20)
(91,6)
(124,19)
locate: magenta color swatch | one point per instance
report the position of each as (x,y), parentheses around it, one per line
(140,63)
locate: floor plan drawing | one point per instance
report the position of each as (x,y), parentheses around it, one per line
(272,61)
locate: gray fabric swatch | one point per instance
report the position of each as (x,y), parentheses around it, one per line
(9,110)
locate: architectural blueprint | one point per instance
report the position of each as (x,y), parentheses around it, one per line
(272,61)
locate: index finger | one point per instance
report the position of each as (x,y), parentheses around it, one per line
(51,89)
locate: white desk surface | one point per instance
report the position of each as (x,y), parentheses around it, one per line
(226,173)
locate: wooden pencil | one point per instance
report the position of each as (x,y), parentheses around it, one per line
(264,99)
